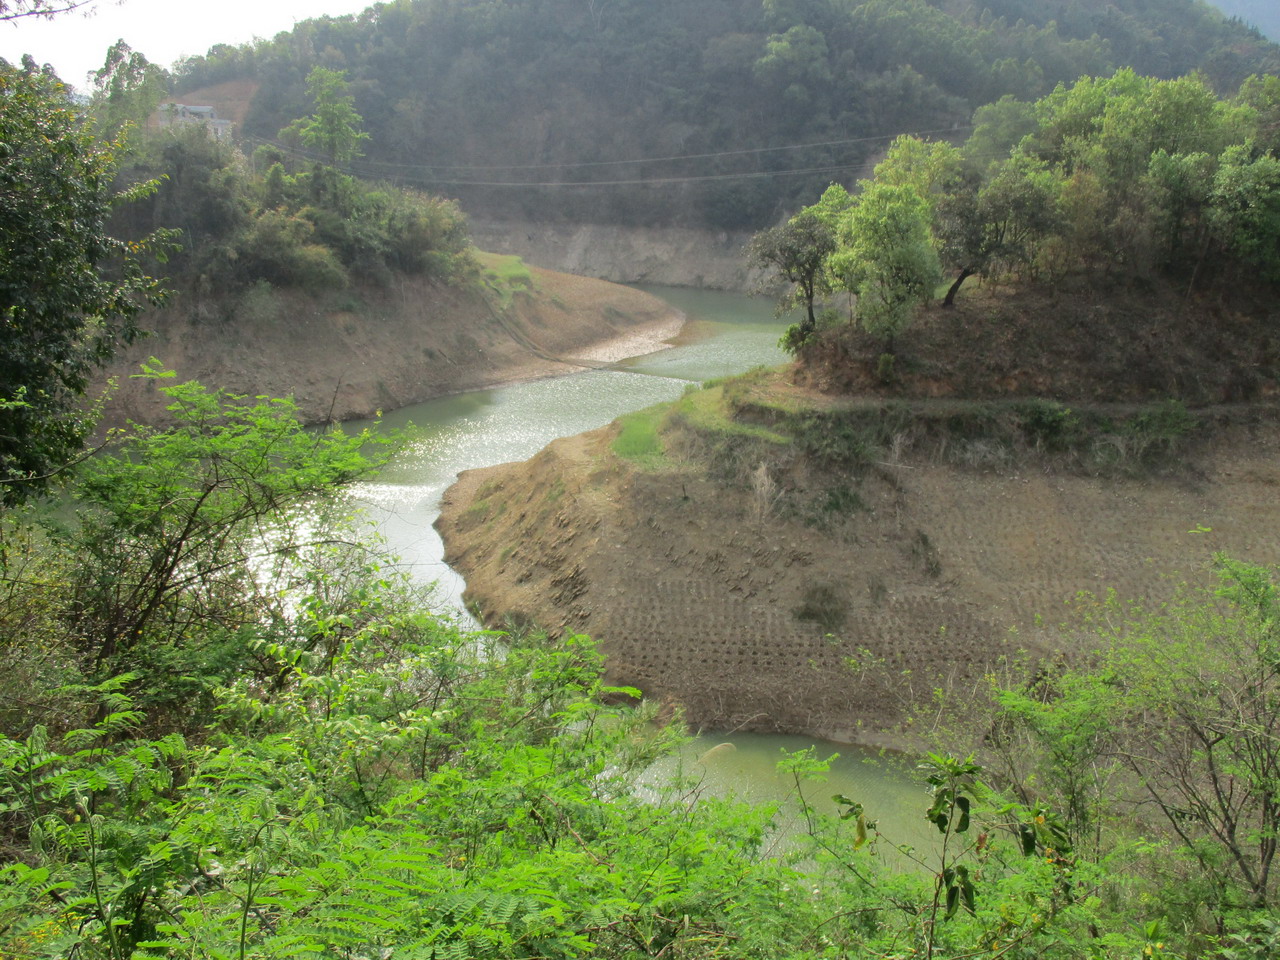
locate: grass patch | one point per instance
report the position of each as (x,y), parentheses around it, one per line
(638,438)
(505,276)
(487,489)
(708,410)
(484,506)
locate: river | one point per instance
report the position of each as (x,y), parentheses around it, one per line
(726,334)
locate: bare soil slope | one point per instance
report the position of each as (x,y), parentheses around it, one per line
(231,100)
(396,347)
(750,618)
(787,594)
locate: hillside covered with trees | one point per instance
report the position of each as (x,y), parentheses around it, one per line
(1257,13)
(1144,213)
(230,728)
(515,107)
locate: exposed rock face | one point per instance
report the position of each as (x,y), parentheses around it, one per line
(661,255)
(403,346)
(751,617)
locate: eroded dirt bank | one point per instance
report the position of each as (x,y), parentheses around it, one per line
(672,256)
(394,348)
(735,599)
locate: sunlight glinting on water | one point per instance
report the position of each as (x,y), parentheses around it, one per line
(443,437)
(728,334)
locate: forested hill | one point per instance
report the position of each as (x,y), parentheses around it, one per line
(512,105)
(1263,14)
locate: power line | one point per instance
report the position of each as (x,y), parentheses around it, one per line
(422,173)
(653,181)
(679,157)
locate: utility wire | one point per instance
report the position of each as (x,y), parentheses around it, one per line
(655,181)
(677,157)
(422,173)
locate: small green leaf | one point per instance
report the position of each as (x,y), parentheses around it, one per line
(953,901)
(1027,834)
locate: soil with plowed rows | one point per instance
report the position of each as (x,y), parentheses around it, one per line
(728,596)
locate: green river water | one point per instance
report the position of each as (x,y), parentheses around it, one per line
(726,334)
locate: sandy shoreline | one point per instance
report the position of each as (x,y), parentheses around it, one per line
(638,343)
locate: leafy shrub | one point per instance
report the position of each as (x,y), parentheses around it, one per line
(793,338)
(886,371)
(277,247)
(1049,425)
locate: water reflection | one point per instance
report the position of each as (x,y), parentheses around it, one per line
(746,766)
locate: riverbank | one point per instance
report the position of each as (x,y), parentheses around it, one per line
(349,356)
(761,587)
(671,256)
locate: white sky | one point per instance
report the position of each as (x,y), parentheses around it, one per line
(162,30)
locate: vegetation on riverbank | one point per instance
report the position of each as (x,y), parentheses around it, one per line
(736,427)
(232,729)
(230,732)
(250,228)
(1122,190)
(718,115)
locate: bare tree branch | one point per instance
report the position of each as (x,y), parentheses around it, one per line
(46,9)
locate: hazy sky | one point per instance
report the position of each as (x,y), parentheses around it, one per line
(162,30)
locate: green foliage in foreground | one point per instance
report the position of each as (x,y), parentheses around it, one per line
(285,754)
(61,316)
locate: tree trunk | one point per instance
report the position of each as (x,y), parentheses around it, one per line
(810,323)
(950,299)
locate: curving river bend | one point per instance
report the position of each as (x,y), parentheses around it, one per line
(726,334)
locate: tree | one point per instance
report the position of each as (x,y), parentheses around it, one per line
(796,252)
(62,314)
(187,535)
(1246,209)
(1175,717)
(794,62)
(886,256)
(334,129)
(127,88)
(998,227)
(929,167)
